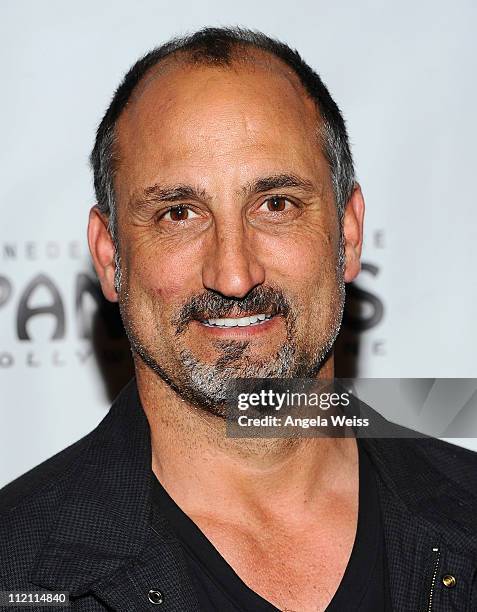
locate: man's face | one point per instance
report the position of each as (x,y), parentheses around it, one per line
(228,229)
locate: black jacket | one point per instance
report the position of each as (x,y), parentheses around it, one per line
(83,522)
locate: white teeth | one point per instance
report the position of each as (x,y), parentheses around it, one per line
(241,322)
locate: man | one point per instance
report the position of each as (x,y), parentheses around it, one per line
(228,221)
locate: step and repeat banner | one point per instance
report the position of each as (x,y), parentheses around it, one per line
(402,74)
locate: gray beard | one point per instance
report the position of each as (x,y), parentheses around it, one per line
(206,386)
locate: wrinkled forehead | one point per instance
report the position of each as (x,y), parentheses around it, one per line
(179,84)
(185,114)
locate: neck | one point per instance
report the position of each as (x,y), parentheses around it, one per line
(196,462)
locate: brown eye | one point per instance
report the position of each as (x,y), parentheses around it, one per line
(179,213)
(277,204)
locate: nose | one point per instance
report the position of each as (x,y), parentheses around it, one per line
(231,266)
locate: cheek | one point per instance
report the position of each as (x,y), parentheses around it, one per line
(308,260)
(165,274)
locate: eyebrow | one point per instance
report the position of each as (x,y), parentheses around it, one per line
(176,193)
(277,181)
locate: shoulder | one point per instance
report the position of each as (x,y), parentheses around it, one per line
(32,507)
(28,508)
(456,463)
(39,481)
(426,472)
(413,456)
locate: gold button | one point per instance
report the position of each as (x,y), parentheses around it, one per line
(449,581)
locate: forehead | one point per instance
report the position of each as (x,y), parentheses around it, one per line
(184,116)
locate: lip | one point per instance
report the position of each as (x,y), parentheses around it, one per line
(239,332)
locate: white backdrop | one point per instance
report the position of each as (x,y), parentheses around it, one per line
(403,74)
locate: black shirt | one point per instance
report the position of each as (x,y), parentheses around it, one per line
(364,586)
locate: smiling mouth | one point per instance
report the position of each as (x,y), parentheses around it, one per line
(253,320)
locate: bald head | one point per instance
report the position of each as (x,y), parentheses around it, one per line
(185,115)
(229,48)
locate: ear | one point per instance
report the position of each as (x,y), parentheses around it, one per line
(102,251)
(353,233)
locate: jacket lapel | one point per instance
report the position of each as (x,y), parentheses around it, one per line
(108,540)
(160,567)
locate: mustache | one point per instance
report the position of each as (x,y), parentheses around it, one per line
(212,305)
